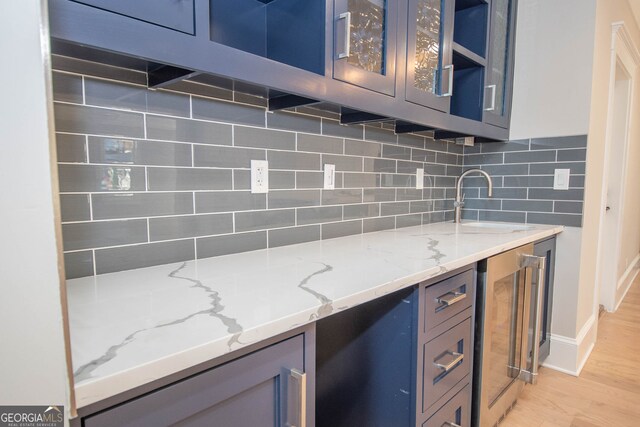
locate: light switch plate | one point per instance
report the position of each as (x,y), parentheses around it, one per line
(419,178)
(561,179)
(259,176)
(329,177)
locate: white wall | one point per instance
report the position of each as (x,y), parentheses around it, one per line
(607,12)
(33,367)
(551,97)
(553,65)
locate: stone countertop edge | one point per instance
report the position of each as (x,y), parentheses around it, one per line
(89,295)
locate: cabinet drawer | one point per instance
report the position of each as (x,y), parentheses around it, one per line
(256,390)
(447,298)
(175,14)
(446,361)
(454,412)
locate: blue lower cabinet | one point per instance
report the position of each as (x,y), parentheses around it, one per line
(401,360)
(261,389)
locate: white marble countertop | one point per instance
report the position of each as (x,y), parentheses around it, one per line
(130,328)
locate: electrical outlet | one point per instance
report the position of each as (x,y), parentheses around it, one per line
(259,176)
(419,178)
(561,179)
(329,177)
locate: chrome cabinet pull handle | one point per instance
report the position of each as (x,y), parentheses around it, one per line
(346,51)
(451,298)
(450,424)
(493,98)
(450,88)
(301,379)
(537,326)
(447,367)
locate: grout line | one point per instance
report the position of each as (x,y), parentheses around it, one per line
(148,231)
(95,267)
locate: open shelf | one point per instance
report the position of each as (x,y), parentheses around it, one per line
(288,31)
(467,58)
(468,87)
(470,25)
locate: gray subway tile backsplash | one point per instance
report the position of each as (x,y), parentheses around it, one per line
(71,148)
(320,144)
(263,138)
(184,130)
(138,205)
(105,93)
(75,207)
(231,244)
(78,264)
(293,198)
(180,227)
(138,152)
(178,168)
(293,122)
(98,121)
(318,215)
(98,234)
(67,87)
(293,161)
(527,197)
(229,201)
(139,256)
(223,111)
(378,224)
(225,157)
(181,179)
(261,220)
(82,178)
(334,128)
(362,148)
(293,235)
(341,229)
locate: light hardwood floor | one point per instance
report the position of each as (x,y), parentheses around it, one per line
(607,393)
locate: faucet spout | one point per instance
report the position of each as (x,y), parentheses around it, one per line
(459,203)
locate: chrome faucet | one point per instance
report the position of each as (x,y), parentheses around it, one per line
(459,202)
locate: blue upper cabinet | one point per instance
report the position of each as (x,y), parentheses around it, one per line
(499,76)
(365,43)
(429,53)
(442,65)
(173,14)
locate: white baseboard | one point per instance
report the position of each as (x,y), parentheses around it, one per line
(569,355)
(625,282)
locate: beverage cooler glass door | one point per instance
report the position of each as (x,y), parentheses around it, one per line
(507,323)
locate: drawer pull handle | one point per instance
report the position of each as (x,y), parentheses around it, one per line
(446,367)
(451,298)
(450,424)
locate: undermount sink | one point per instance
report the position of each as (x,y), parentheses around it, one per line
(496,226)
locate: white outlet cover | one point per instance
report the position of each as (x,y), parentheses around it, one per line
(329,177)
(419,178)
(259,176)
(561,179)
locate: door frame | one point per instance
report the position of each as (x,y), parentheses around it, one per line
(624,53)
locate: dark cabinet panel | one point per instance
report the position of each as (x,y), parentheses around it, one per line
(365,364)
(174,14)
(365,43)
(499,75)
(456,412)
(262,389)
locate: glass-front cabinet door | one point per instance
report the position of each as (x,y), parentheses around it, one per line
(365,43)
(429,53)
(498,80)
